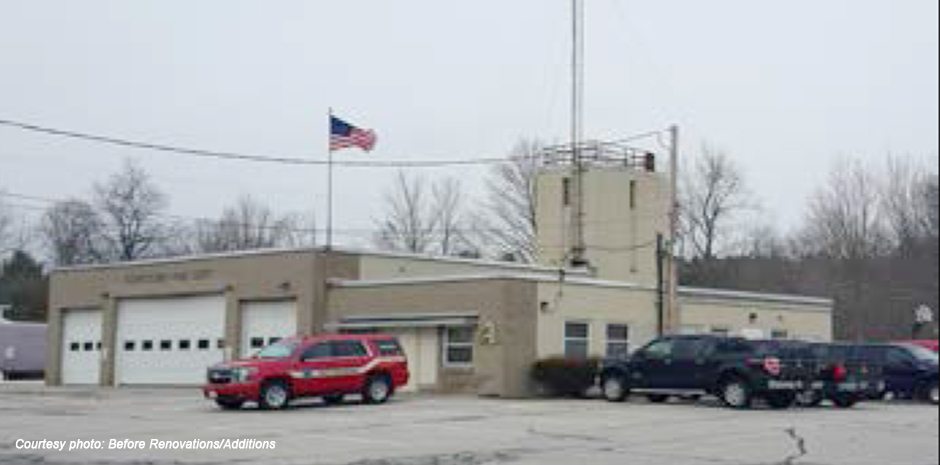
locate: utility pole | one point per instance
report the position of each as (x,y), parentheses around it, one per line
(660,286)
(577,132)
(673,320)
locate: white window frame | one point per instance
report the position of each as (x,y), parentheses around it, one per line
(586,339)
(608,341)
(446,344)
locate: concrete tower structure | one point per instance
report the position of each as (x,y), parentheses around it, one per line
(625,205)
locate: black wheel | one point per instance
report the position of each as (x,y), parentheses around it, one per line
(781,400)
(657,398)
(736,393)
(844,400)
(377,390)
(229,404)
(334,399)
(931,394)
(809,399)
(615,388)
(275,395)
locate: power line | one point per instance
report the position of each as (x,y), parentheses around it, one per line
(220,222)
(257,158)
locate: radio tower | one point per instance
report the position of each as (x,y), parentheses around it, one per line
(576,253)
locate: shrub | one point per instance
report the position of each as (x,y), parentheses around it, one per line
(565,377)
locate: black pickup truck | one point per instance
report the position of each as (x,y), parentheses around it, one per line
(846,377)
(736,370)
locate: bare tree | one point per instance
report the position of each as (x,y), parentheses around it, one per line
(507,221)
(448,211)
(410,222)
(6,229)
(906,202)
(72,231)
(845,219)
(712,194)
(130,206)
(247,225)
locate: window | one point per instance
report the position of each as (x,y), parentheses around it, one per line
(146,346)
(618,340)
(74,346)
(203,344)
(576,340)
(98,346)
(220,343)
(257,342)
(184,344)
(129,346)
(166,344)
(659,350)
(388,347)
(349,349)
(89,346)
(458,346)
(273,340)
(689,348)
(319,350)
(779,334)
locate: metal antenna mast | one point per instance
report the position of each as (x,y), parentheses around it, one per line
(577,131)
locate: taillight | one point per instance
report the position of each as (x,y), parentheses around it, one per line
(772,366)
(839,372)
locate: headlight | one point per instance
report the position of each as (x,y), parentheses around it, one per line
(243,374)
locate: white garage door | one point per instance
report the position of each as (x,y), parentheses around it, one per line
(81,346)
(169,340)
(266,322)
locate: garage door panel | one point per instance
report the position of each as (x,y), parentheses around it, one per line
(169,340)
(264,321)
(81,346)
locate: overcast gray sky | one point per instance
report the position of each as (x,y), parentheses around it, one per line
(784,87)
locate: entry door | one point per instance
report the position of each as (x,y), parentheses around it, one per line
(81,346)
(423,351)
(169,341)
(264,323)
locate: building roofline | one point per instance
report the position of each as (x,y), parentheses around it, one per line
(579,280)
(338,250)
(750,295)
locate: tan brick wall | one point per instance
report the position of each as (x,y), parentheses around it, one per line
(253,276)
(501,369)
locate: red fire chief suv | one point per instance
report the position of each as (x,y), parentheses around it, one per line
(326,366)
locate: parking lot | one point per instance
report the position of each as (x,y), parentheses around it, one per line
(446,430)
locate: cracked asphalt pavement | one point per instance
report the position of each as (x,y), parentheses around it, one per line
(453,430)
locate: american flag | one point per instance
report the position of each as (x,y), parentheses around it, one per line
(344,135)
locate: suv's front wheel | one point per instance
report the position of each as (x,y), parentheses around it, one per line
(736,393)
(377,390)
(615,389)
(275,395)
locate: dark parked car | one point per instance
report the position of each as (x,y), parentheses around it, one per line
(736,370)
(845,376)
(910,371)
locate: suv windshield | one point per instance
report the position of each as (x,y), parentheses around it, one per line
(280,349)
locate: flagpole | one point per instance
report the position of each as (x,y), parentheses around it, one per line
(329,184)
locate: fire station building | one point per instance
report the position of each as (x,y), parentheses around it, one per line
(467,325)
